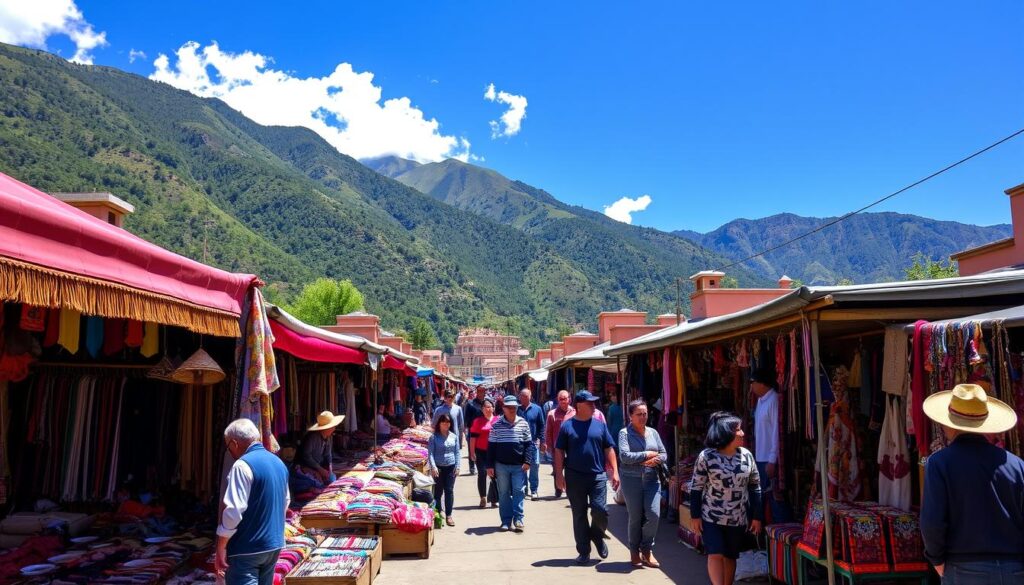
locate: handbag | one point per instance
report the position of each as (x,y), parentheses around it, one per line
(664,475)
(752,564)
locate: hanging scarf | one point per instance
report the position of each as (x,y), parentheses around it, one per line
(70,327)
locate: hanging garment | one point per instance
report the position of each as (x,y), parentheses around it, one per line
(894,366)
(843,464)
(52,328)
(113,335)
(134,333)
(150,340)
(93,335)
(893,459)
(916,423)
(32,318)
(855,371)
(70,327)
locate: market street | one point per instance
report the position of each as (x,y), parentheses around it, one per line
(475,552)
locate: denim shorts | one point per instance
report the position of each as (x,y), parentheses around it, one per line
(727,541)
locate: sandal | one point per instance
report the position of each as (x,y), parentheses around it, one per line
(449,521)
(649,560)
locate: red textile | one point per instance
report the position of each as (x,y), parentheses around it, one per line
(52,328)
(33,318)
(393,363)
(37,228)
(135,333)
(312,348)
(918,378)
(113,335)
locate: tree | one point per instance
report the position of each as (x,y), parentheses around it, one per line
(924,268)
(844,281)
(322,300)
(422,335)
(730,282)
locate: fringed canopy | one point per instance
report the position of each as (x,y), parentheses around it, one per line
(53,255)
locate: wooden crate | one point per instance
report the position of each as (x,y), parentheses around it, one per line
(376,558)
(397,542)
(323,522)
(363,578)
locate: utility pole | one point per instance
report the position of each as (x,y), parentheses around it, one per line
(508,346)
(679,300)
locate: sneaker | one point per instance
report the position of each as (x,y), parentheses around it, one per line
(602,548)
(519,526)
(504,527)
(582,560)
(534,496)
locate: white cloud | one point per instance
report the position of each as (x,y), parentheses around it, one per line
(30,22)
(623,209)
(133,55)
(512,120)
(345,107)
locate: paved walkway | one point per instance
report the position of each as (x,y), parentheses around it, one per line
(475,552)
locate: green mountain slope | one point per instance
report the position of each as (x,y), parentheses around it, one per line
(282,203)
(868,247)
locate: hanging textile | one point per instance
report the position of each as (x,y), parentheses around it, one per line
(917,424)
(94,335)
(134,333)
(894,365)
(150,340)
(844,478)
(793,385)
(70,327)
(5,453)
(260,372)
(32,318)
(893,459)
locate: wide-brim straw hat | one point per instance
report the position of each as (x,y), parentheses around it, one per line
(968,408)
(199,369)
(327,420)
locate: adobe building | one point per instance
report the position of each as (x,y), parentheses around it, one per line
(104,206)
(1001,253)
(580,341)
(359,323)
(487,353)
(709,299)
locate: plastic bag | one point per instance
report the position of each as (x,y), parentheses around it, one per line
(752,564)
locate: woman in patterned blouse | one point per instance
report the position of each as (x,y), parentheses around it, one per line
(725,496)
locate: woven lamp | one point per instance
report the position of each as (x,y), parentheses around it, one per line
(199,369)
(163,370)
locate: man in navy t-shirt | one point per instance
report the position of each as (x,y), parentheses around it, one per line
(583,449)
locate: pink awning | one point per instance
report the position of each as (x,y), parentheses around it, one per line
(312,348)
(113,273)
(393,363)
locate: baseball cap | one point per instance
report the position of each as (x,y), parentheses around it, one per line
(510,401)
(585,396)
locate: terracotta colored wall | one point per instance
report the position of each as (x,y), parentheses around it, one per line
(626,332)
(605,322)
(995,259)
(557,351)
(542,356)
(369,332)
(724,301)
(392,342)
(577,343)
(669,320)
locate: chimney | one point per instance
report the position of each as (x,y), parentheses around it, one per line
(578,342)
(785,282)
(669,319)
(358,323)
(609,319)
(103,206)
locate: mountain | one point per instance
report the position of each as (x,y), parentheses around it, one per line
(284,204)
(885,244)
(640,263)
(390,166)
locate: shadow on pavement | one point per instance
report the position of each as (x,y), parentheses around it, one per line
(676,560)
(559,563)
(482,530)
(615,567)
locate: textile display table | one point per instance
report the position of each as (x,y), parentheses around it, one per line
(844,570)
(782,557)
(321,573)
(371,544)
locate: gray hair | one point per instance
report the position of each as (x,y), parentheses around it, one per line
(526,391)
(242,430)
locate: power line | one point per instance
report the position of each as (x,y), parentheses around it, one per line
(878,201)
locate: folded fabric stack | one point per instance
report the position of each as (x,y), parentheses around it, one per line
(196,576)
(413,517)
(337,566)
(393,470)
(334,500)
(370,508)
(419,435)
(408,452)
(351,542)
(296,549)
(385,487)
(782,555)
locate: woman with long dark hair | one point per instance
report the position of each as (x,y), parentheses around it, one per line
(443,460)
(725,486)
(479,434)
(640,453)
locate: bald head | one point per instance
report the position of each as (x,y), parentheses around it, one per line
(524,397)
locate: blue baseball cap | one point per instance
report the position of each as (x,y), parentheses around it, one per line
(585,396)
(510,401)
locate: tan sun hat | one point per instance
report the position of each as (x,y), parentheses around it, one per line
(968,408)
(327,420)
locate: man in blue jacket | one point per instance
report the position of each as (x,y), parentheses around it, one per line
(972,511)
(533,414)
(251,531)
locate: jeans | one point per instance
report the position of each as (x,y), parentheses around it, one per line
(587,491)
(781,512)
(995,572)
(535,469)
(444,484)
(255,569)
(511,479)
(643,506)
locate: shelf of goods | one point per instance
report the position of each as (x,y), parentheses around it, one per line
(371,544)
(354,571)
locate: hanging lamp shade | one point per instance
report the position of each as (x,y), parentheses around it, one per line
(163,370)
(199,369)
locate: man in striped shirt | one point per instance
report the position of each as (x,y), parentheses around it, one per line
(510,449)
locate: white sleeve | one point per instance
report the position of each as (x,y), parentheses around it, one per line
(236,498)
(772,417)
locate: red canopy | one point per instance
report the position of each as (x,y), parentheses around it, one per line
(54,255)
(312,348)
(393,363)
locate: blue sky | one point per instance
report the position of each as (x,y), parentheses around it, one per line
(715,111)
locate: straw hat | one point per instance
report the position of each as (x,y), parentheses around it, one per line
(199,369)
(163,370)
(327,420)
(968,408)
